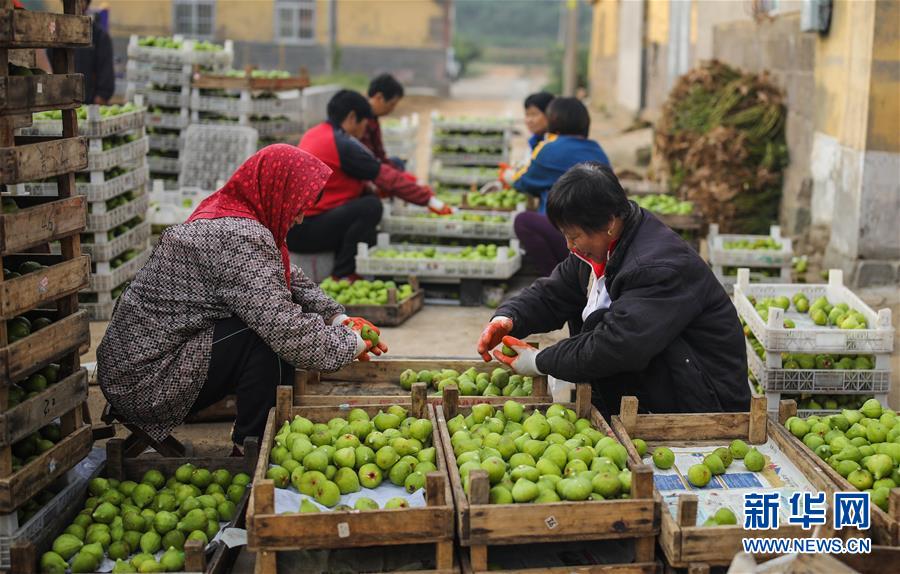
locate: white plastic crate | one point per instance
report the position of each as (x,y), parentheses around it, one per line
(407,220)
(99,311)
(185,55)
(95,126)
(172,207)
(483,125)
(173,120)
(166,142)
(212,153)
(168,75)
(807,337)
(825,381)
(292,107)
(719,255)
(728,281)
(503,267)
(164,164)
(462,176)
(400,128)
(169,99)
(107,279)
(486,159)
(98,190)
(106,220)
(105,249)
(233,106)
(487,141)
(74,487)
(99,160)
(271,128)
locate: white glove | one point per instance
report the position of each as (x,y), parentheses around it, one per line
(491,187)
(524,362)
(338,319)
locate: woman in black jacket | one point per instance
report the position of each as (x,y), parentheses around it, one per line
(650,318)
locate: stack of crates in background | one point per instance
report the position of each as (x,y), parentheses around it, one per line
(115,185)
(466,152)
(767,256)
(161,69)
(818,344)
(400,136)
(269,101)
(43,389)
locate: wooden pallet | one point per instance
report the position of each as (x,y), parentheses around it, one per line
(269,533)
(25,556)
(685,544)
(50,292)
(885,525)
(378,382)
(482,525)
(392,313)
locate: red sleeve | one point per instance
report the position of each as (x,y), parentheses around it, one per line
(395,182)
(372,140)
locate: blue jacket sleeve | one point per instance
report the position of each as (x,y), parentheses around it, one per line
(538,178)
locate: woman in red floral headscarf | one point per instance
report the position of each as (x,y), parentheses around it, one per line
(218,308)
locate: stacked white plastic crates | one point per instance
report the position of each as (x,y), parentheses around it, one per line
(273,106)
(468,151)
(115,184)
(484,225)
(213,153)
(162,75)
(400,136)
(808,338)
(727,252)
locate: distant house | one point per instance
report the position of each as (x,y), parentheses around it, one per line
(410,38)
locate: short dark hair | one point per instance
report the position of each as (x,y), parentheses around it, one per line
(386,85)
(587,196)
(568,117)
(539,100)
(345,101)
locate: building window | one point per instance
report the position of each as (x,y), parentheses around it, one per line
(295,21)
(195,18)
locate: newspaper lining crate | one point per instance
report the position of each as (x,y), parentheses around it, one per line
(503,266)
(482,525)
(878,338)
(885,525)
(686,544)
(377,382)
(269,533)
(408,220)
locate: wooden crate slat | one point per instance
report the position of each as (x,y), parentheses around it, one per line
(27,29)
(39,411)
(32,290)
(389,314)
(27,94)
(34,161)
(49,344)
(20,487)
(690,426)
(41,223)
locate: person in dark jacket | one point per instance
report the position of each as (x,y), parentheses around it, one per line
(652,320)
(96,63)
(348,212)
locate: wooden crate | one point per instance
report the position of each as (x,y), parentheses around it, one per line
(40,222)
(38,157)
(885,525)
(27,29)
(269,533)
(393,313)
(61,278)
(481,525)
(248,82)
(27,94)
(378,382)
(25,556)
(684,543)
(39,411)
(34,352)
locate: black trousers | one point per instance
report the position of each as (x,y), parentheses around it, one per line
(242,364)
(339,230)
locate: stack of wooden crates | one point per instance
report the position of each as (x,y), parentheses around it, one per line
(41,295)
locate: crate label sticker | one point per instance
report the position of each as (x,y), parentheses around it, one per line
(43,285)
(51,27)
(51,466)
(40,87)
(343,530)
(551,522)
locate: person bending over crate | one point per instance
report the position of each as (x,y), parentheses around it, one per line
(348,212)
(219,309)
(652,320)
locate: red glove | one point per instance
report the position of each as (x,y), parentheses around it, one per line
(437,206)
(368,333)
(493,333)
(523,358)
